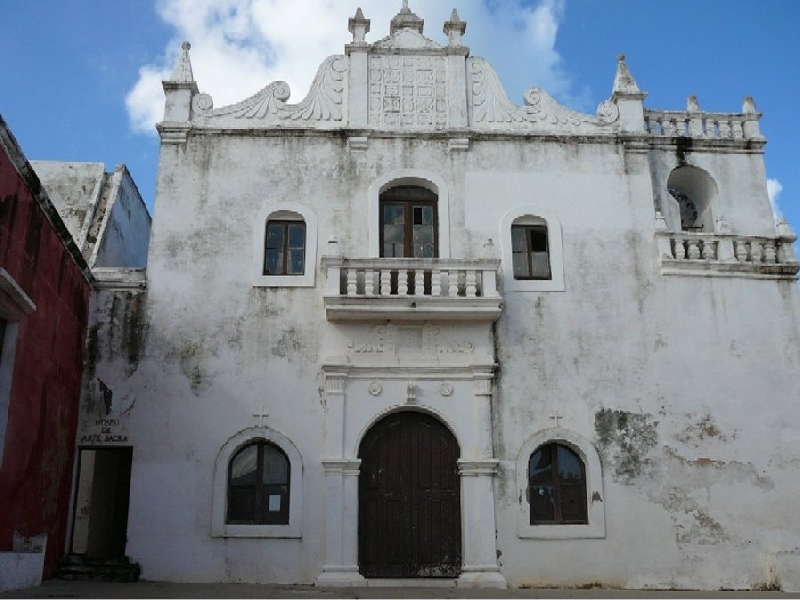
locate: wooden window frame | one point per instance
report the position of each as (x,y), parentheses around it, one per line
(557,487)
(285,249)
(410,196)
(529,231)
(262,514)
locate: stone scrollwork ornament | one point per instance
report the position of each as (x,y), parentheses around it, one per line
(375,388)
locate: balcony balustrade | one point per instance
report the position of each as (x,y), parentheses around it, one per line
(362,289)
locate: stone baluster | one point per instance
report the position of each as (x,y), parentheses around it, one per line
(711,128)
(785,251)
(436,283)
(709,250)
(738,129)
(471,284)
(679,251)
(770,252)
(725,129)
(402,282)
(741,250)
(666,126)
(386,282)
(352,278)
(369,282)
(452,284)
(693,249)
(755,251)
(419,282)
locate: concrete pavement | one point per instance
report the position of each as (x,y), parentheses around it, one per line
(154,589)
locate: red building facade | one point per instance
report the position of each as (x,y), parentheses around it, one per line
(45,288)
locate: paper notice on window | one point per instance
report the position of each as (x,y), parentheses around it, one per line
(274,504)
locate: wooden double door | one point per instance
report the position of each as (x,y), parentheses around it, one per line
(409,499)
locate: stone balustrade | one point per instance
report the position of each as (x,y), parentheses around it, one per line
(411,288)
(704,125)
(727,254)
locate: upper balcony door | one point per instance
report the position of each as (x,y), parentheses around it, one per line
(409,227)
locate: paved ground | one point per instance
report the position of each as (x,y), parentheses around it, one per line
(154,589)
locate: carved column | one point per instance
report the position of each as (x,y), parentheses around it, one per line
(341,541)
(480,568)
(341,482)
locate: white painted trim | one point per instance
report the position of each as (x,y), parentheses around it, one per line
(220,487)
(595,498)
(307,279)
(555,247)
(7,356)
(423,178)
(9,285)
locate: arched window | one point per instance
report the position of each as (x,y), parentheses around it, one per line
(529,248)
(560,487)
(532,250)
(285,246)
(258,485)
(408,223)
(557,485)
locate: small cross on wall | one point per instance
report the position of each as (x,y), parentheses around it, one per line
(556,417)
(261,416)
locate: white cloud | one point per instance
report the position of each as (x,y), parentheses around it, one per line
(239,46)
(774,189)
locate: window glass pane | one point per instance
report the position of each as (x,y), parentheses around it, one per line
(423,234)
(518,242)
(296,262)
(427,215)
(274,467)
(274,235)
(242,505)
(423,250)
(393,234)
(540,261)
(273,262)
(570,466)
(297,235)
(573,500)
(275,502)
(540,465)
(542,504)
(243,466)
(520,261)
(538,238)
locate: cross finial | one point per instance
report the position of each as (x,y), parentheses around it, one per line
(405,4)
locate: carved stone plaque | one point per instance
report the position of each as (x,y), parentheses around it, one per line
(407,91)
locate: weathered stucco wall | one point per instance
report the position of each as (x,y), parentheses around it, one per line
(674,381)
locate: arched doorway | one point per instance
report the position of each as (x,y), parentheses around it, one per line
(409,522)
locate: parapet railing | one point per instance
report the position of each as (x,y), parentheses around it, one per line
(706,125)
(726,253)
(400,277)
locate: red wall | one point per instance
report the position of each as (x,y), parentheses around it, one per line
(36,472)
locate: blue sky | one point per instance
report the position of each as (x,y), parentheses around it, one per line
(80,78)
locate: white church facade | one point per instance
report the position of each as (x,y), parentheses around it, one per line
(407,328)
